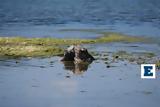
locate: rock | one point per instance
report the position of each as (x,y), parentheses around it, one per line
(69,54)
(77,54)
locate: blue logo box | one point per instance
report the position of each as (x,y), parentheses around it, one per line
(148,71)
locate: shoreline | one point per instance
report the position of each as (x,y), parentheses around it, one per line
(18,47)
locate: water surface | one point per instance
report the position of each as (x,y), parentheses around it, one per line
(39,18)
(39,82)
(47,82)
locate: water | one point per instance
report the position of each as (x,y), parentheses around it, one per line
(39,18)
(39,82)
(47,82)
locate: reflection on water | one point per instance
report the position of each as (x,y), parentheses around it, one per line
(44,82)
(76,68)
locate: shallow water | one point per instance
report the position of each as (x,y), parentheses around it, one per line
(37,82)
(47,82)
(41,18)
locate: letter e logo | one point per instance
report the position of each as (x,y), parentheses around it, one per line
(148,71)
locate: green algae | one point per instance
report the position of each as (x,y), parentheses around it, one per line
(117,37)
(30,51)
(139,58)
(32,47)
(107,37)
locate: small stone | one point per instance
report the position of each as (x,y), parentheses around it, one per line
(42,66)
(51,62)
(17,62)
(68,76)
(116,56)
(83,91)
(108,66)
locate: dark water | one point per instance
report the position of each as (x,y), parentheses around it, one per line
(43,17)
